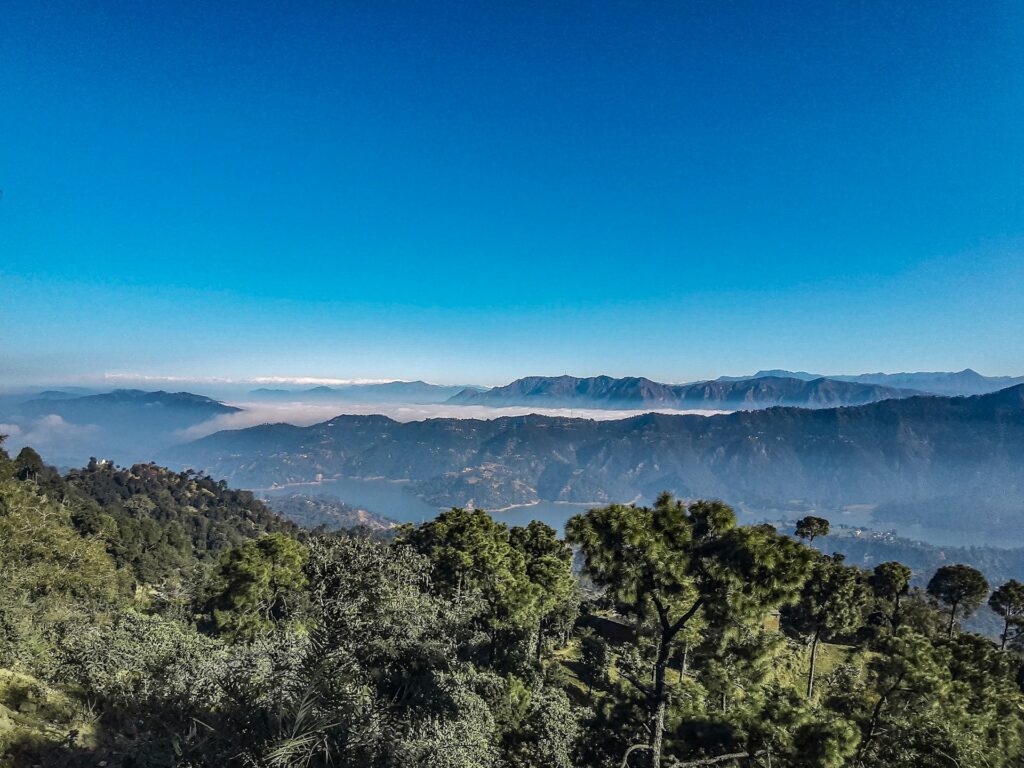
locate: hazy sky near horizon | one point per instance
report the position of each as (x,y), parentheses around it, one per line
(474,191)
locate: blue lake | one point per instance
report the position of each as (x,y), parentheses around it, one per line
(394,500)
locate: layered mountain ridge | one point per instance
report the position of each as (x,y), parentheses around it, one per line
(638,392)
(418,392)
(912,454)
(965,382)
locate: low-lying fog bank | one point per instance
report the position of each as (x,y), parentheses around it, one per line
(303,414)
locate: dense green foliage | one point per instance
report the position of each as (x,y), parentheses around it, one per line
(149,618)
(157,521)
(315,511)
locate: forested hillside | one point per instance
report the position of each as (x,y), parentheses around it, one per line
(920,459)
(151,618)
(316,510)
(154,521)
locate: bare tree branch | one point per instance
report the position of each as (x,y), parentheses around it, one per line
(625,757)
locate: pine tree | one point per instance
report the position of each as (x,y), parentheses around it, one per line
(891,581)
(831,603)
(960,587)
(673,561)
(1008,602)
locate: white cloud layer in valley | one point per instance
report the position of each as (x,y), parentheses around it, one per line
(304,414)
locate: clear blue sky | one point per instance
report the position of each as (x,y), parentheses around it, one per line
(473,191)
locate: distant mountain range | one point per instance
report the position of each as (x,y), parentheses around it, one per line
(414,392)
(634,392)
(955,462)
(965,382)
(126,425)
(63,394)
